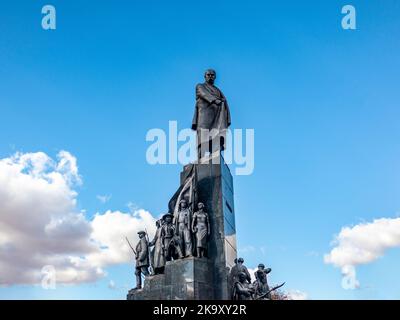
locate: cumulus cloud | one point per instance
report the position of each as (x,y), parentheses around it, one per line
(363,244)
(109,231)
(40,224)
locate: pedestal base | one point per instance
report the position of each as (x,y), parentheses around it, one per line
(184,279)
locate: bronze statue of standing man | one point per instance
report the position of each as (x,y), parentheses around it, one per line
(170,243)
(242,290)
(183,222)
(142,259)
(211,117)
(238,268)
(157,254)
(261,282)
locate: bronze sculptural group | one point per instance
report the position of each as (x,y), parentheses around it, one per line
(170,243)
(242,287)
(187,229)
(175,238)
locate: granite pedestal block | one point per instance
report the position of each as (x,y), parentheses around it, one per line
(184,279)
(215,190)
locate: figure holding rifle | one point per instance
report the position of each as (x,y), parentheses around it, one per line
(142,258)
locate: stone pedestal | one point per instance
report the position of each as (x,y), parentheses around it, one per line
(215,190)
(185,279)
(206,278)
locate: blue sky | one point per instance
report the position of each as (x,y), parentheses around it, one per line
(323,101)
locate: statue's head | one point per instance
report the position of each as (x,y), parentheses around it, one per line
(240,260)
(141,234)
(261,266)
(210,76)
(261,276)
(242,276)
(200,205)
(167,218)
(183,204)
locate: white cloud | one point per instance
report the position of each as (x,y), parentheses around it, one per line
(41,225)
(109,231)
(103,198)
(296,295)
(68,165)
(111,285)
(363,244)
(252,273)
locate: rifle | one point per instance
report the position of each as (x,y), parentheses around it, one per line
(269,291)
(130,246)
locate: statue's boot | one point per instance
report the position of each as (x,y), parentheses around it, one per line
(138,282)
(179,252)
(188,249)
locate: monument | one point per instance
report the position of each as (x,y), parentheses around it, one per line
(194,255)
